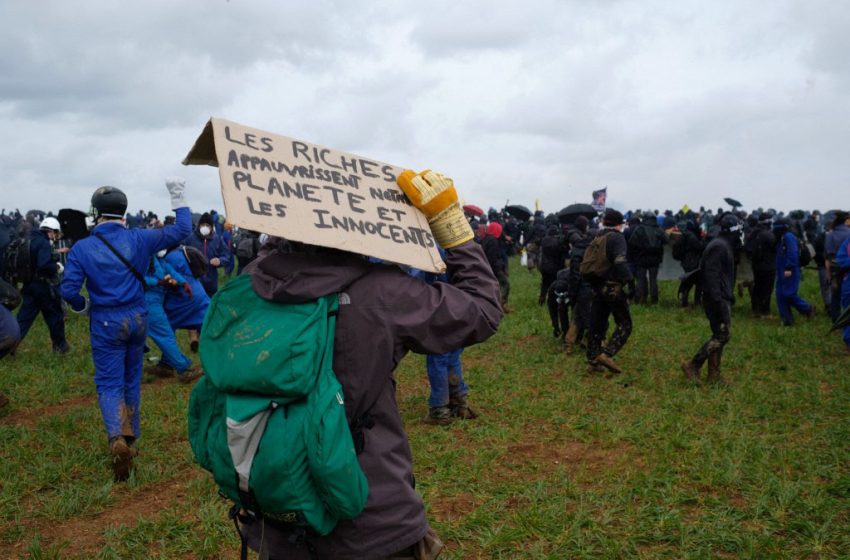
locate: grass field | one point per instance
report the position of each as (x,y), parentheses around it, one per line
(559,465)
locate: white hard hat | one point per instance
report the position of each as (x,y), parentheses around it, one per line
(50,223)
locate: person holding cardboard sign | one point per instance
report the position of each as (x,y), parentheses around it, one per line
(383,314)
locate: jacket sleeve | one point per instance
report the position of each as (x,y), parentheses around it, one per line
(163,238)
(442,317)
(72,282)
(616,249)
(172,271)
(223,252)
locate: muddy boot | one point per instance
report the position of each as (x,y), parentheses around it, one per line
(4,400)
(438,416)
(570,338)
(714,376)
(691,371)
(190,375)
(460,408)
(122,458)
(160,371)
(593,368)
(608,363)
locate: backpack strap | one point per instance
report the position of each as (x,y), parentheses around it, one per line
(123,259)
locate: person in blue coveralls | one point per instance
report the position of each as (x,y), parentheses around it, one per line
(110,262)
(185,312)
(161,278)
(448,399)
(788,274)
(209,241)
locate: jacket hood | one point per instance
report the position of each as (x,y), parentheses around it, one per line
(300,277)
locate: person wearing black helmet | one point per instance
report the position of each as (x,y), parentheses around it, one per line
(788,274)
(111,262)
(761,247)
(718,280)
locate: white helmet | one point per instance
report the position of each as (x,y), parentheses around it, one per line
(50,223)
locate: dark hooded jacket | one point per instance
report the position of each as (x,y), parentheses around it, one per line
(718,271)
(646,244)
(383,314)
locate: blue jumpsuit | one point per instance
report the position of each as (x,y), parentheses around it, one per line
(118,316)
(159,329)
(185,312)
(842,259)
(787,289)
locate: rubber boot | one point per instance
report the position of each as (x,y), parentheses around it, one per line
(122,458)
(691,371)
(190,375)
(570,338)
(438,416)
(714,376)
(608,363)
(460,408)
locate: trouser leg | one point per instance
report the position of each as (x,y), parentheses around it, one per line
(159,329)
(598,325)
(51,308)
(109,357)
(133,362)
(653,283)
(719,319)
(641,294)
(27,313)
(438,378)
(457,386)
(623,328)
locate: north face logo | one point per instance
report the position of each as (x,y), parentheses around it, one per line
(344,299)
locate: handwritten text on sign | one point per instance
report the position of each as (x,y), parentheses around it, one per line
(309,193)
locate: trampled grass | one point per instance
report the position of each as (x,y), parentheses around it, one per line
(559,465)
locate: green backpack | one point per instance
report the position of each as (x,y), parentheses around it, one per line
(268,417)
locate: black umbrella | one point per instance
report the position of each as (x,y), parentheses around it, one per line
(518,211)
(569,214)
(732,202)
(842,321)
(73,223)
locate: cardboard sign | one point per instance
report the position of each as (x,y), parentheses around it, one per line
(305,192)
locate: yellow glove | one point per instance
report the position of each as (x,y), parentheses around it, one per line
(435,196)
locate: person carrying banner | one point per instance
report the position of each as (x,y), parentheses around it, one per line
(109,262)
(383,314)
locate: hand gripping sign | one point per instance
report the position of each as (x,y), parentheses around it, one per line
(308,193)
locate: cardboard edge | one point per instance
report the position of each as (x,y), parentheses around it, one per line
(203,150)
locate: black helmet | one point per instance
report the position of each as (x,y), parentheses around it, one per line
(729,222)
(108,202)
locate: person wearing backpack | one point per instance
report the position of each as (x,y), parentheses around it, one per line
(247,248)
(761,247)
(39,285)
(382,315)
(646,249)
(110,263)
(788,274)
(717,267)
(554,251)
(605,266)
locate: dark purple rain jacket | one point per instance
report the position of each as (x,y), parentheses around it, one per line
(383,314)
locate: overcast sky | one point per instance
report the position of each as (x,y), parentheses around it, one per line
(664,102)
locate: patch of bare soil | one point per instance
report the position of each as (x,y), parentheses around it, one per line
(83,535)
(29,417)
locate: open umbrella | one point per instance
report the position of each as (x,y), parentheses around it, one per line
(569,214)
(732,202)
(842,321)
(518,211)
(473,209)
(73,223)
